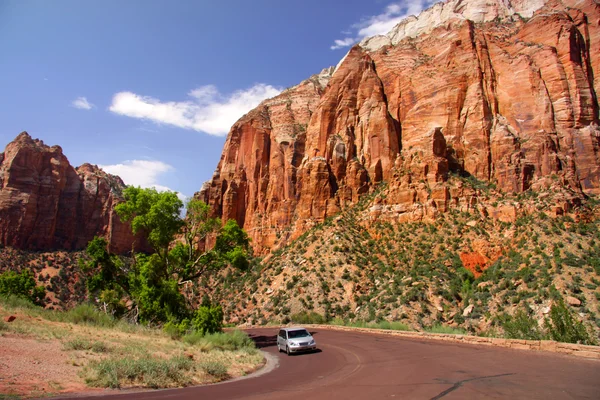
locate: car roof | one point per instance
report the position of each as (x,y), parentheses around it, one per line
(295,328)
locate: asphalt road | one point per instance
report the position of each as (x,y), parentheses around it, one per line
(371,366)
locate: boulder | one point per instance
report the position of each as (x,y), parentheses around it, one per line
(573,301)
(468,310)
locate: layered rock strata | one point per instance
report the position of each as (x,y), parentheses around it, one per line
(46,204)
(503,92)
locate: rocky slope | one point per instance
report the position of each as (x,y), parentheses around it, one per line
(47,204)
(504,92)
(463,271)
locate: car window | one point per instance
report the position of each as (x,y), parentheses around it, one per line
(281,334)
(300,333)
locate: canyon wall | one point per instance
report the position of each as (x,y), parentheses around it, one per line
(501,92)
(46,204)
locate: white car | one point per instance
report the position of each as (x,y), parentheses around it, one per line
(295,340)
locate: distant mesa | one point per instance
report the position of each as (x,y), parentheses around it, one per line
(46,204)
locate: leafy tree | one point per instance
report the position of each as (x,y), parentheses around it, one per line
(188,255)
(232,244)
(112,301)
(155,293)
(156,214)
(105,277)
(103,269)
(153,280)
(23,285)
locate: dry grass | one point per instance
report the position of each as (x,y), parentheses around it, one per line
(119,356)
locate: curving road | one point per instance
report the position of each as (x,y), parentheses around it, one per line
(371,366)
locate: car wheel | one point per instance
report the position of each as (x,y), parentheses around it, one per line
(287,350)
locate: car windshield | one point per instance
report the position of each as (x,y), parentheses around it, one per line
(300,333)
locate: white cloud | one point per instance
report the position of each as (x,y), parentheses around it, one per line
(143,173)
(339,43)
(382,23)
(82,103)
(207,110)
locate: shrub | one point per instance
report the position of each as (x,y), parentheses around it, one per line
(391,325)
(233,340)
(230,340)
(77,344)
(215,368)
(337,321)
(563,327)
(197,339)
(177,330)
(521,326)
(307,318)
(208,319)
(23,284)
(99,347)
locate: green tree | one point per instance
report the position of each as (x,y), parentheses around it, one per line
(155,292)
(106,278)
(155,214)
(190,257)
(103,270)
(158,216)
(23,285)
(232,245)
(152,282)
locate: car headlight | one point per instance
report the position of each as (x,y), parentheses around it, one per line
(312,342)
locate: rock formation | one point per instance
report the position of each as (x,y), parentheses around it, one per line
(47,204)
(504,92)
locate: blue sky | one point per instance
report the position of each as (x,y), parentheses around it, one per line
(148,89)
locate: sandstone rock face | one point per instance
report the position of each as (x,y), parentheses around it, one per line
(440,13)
(47,204)
(503,92)
(257,181)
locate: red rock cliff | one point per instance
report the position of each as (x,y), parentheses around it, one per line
(47,204)
(509,98)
